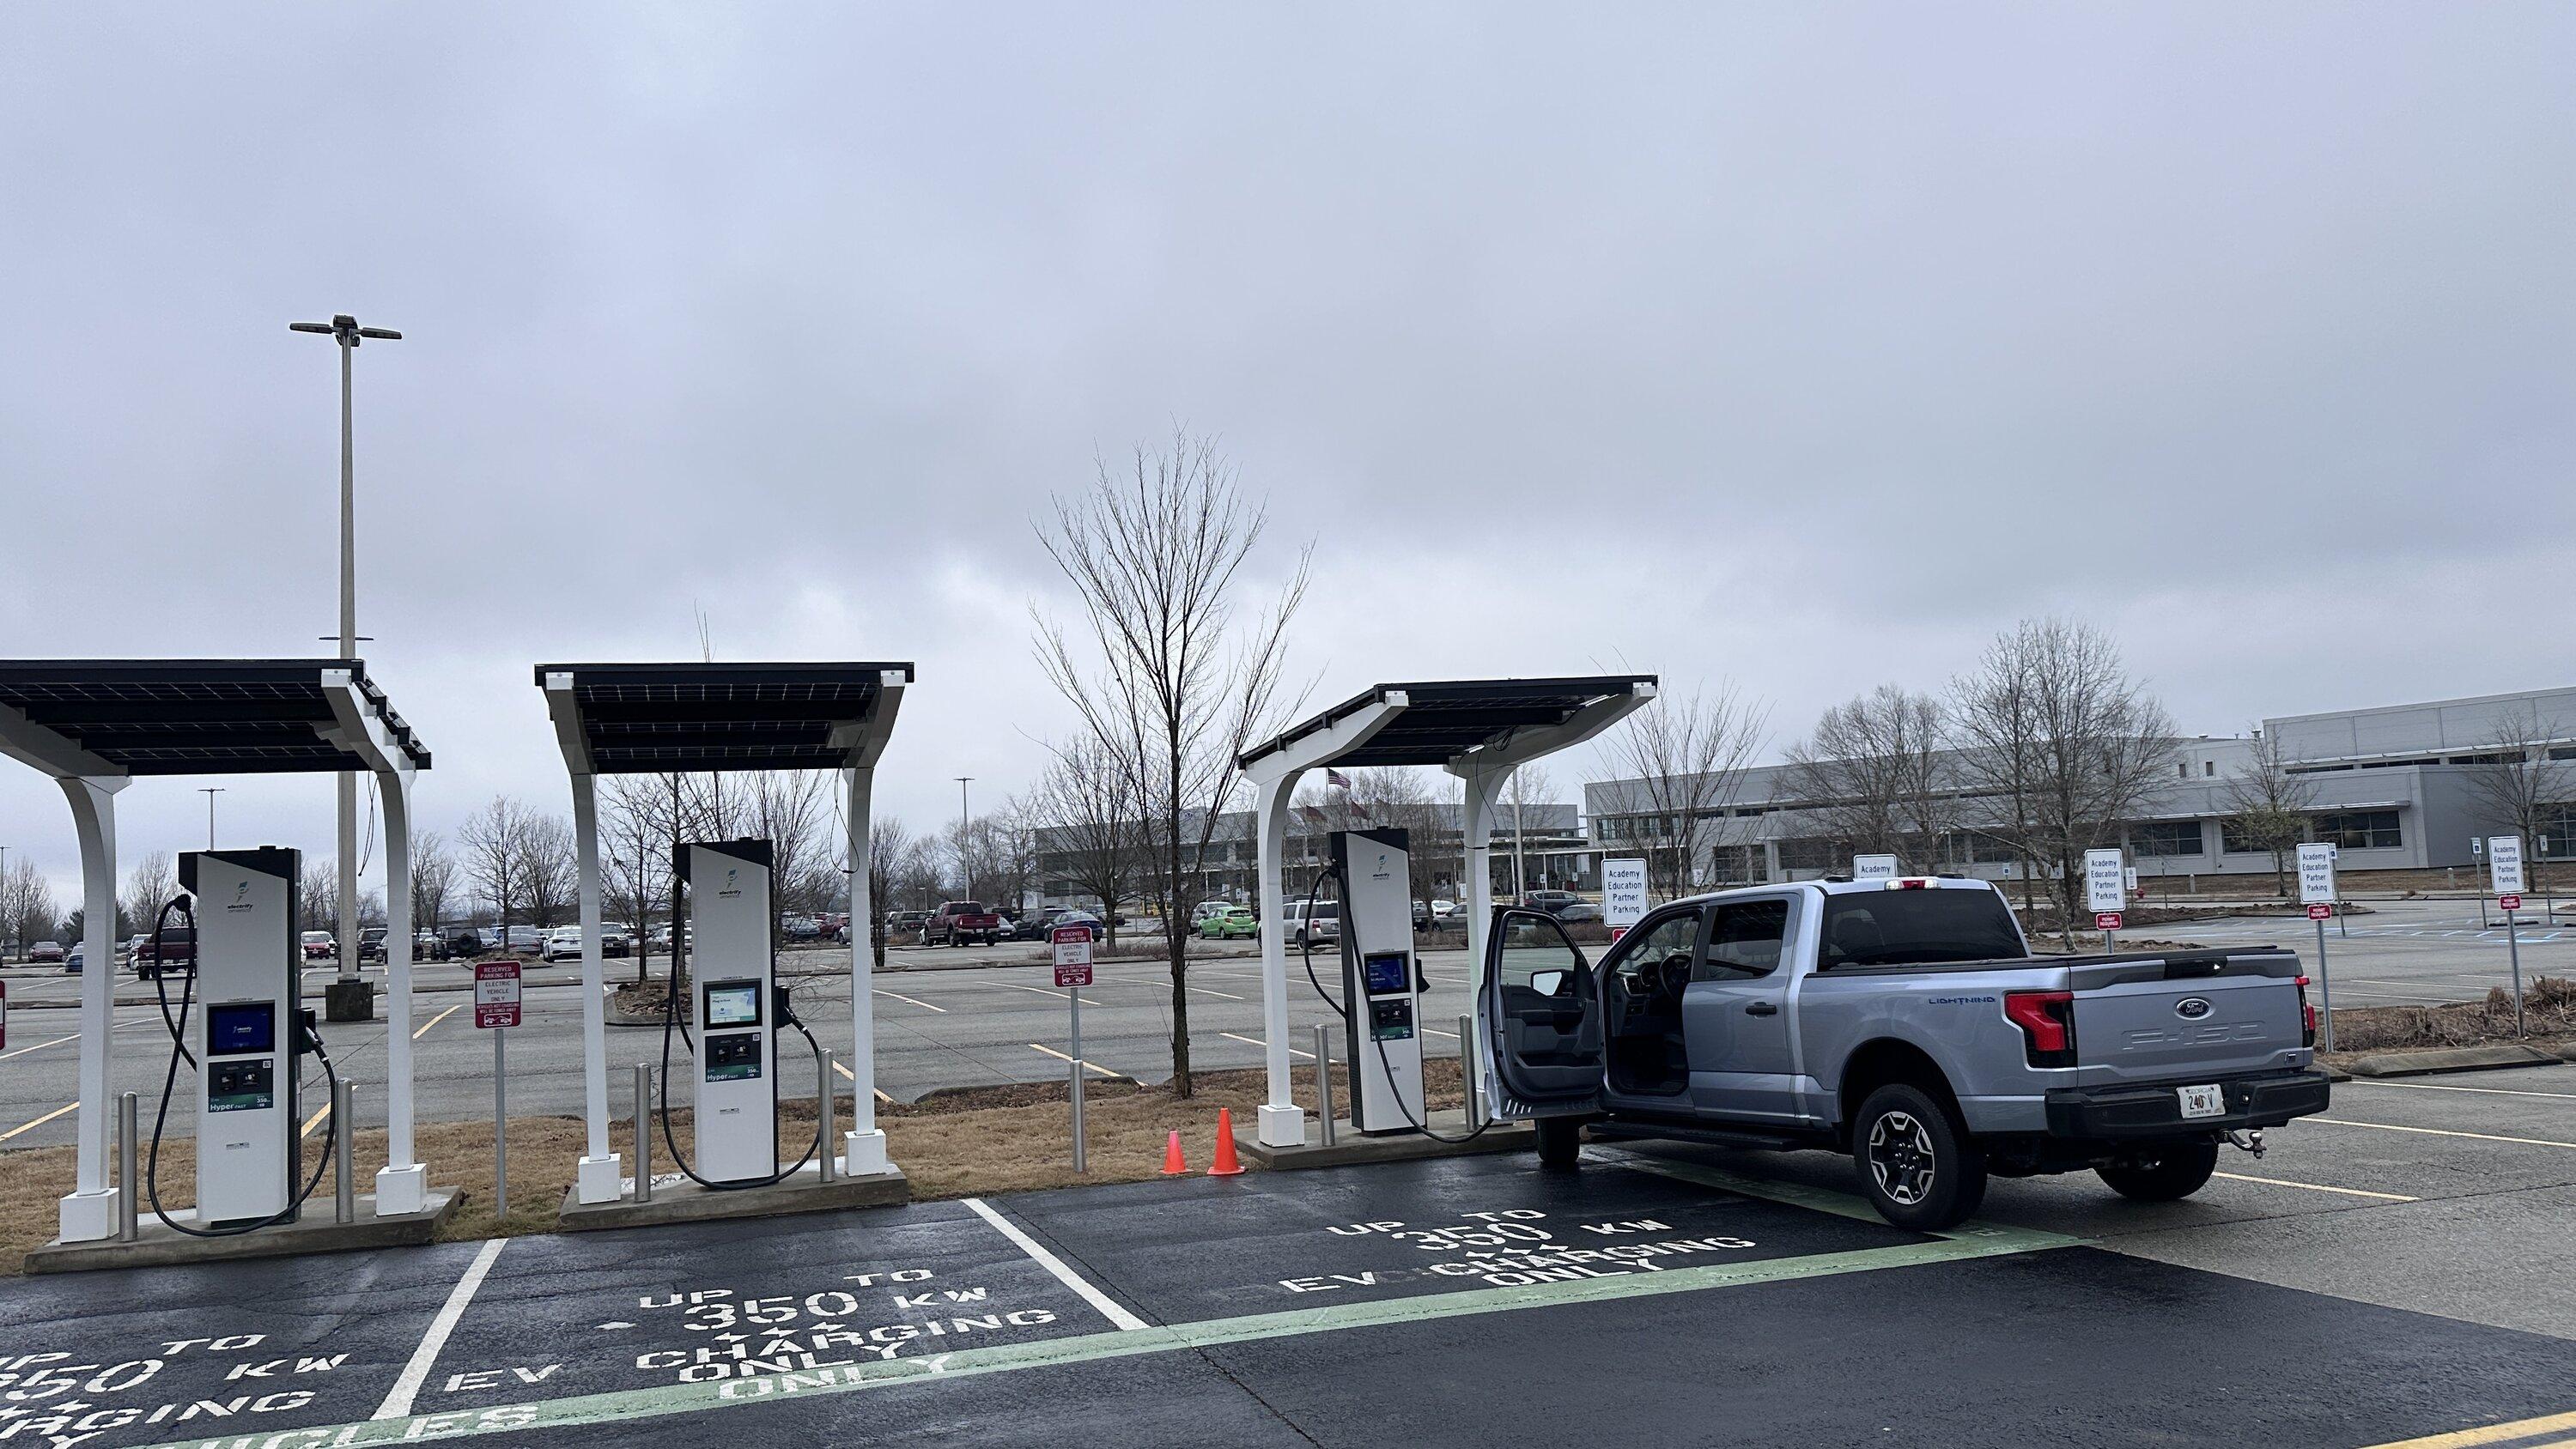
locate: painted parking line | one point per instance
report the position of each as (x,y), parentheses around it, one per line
(853,1076)
(1265,1046)
(628,1406)
(2441,1132)
(2435,1087)
(435,1020)
(2316,1187)
(40,1046)
(910,1000)
(1041,990)
(2519,1429)
(39,1122)
(1094,1066)
(398,1400)
(1110,1308)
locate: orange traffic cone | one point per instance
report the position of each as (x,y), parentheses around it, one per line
(1224,1165)
(1173,1166)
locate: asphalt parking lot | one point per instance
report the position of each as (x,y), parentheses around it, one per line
(2394,1271)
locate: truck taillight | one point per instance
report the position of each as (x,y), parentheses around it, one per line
(2307,1016)
(2047,1022)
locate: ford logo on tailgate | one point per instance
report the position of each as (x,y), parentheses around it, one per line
(2192,1008)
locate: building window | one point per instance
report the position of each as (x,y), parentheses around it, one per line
(2558,832)
(2209,767)
(2182,768)
(2360,830)
(2237,837)
(2166,838)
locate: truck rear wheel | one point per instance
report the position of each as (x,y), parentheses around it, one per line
(1560,1142)
(2166,1173)
(1915,1164)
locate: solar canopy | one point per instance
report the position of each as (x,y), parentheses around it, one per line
(636,718)
(197,716)
(1443,720)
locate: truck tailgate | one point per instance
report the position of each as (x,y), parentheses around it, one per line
(2168,1030)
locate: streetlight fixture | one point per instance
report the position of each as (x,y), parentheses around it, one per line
(210,792)
(347,1000)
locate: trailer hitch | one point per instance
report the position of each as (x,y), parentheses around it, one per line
(2246,1139)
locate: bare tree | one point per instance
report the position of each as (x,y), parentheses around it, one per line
(2104,747)
(26,907)
(2517,785)
(1529,786)
(1995,719)
(494,857)
(1165,677)
(1684,762)
(320,890)
(641,822)
(548,872)
(433,876)
(149,886)
(1871,772)
(2269,805)
(1093,825)
(891,849)
(789,810)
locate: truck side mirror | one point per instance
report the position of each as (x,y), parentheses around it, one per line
(1548,983)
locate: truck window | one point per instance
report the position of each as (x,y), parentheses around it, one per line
(1886,928)
(1745,940)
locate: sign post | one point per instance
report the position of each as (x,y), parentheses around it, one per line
(1072,973)
(1623,894)
(2317,893)
(2106,890)
(2504,871)
(496,1009)
(1873,867)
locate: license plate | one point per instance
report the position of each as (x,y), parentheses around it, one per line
(2202,1101)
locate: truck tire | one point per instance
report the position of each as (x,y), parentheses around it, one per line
(1916,1167)
(1560,1142)
(2166,1173)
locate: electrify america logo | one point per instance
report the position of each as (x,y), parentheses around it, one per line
(731,873)
(241,898)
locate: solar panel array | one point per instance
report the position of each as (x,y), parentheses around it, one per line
(1444,719)
(640,718)
(198,716)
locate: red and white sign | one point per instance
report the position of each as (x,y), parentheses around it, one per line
(2106,920)
(1616,932)
(2510,903)
(496,993)
(2320,912)
(1072,956)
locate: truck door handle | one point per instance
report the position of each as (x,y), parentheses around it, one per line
(1761,1008)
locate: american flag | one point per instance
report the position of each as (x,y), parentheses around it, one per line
(1336,778)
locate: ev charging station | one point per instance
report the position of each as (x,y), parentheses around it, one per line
(734,966)
(98,725)
(694,717)
(1480,731)
(1380,981)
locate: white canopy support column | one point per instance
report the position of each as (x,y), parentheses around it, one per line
(90,1212)
(864,1145)
(600,1175)
(1282,1123)
(1484,789)
(402,1184)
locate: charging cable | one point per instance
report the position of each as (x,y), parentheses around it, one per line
(306,1039)
(1386,1063)
(786,1016)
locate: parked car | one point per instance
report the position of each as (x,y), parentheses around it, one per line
(317,945)
(177,944)
(1447,911)
(1906,1023)
(907,920)
(1564,905)
(1234,923)
(800,928)
(74,958)
(465,943)
(1313,920)
(1039,925)
(616,938)
(563,943)
(958,922)
(1422,915)
(371,943)
(45,953)
(526,940)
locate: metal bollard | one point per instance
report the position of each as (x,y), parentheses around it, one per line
(823,1103)
(129,1211)
(344,1181)
(1324,1079)
(1467,1105)
(643,1132)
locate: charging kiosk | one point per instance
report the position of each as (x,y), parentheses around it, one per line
(1380,984)
(249,1028)
(736,1093)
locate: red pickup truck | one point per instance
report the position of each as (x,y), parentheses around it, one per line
(961,921)
(177,949)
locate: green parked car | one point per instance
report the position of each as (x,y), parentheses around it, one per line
(1236,924)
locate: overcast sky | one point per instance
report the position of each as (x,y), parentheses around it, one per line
(1801,346)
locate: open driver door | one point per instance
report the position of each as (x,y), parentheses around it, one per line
(1539,1019)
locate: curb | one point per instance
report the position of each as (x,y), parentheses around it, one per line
(2453,1059)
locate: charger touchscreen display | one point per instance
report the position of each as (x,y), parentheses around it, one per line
(1385,973)
(733,1003)
(237,1028)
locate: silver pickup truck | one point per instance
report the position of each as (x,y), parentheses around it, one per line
(1904,1022)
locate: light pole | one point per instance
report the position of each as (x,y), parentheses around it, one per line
(345,999)
(210,792)
(965,852)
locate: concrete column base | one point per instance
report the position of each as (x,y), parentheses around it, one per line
(402,1190)
(353,1000)
(1282,1126)
(598,1181)
(88,1217)
(864,1153)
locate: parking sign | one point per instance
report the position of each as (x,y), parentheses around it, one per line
(496,993)
(2105,885)
(1623,892)
(2316,874)
(2504,864)
(1873,867)
(1072,956)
